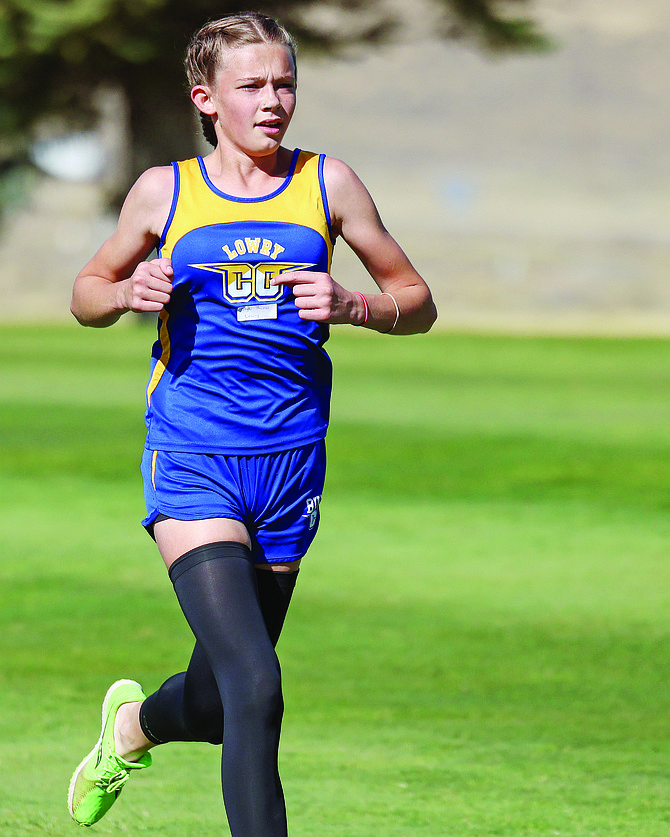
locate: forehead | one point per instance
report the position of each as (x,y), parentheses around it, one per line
(252,60)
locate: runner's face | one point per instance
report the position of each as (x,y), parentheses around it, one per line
(254,97)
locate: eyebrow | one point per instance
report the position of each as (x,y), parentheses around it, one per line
(290,77)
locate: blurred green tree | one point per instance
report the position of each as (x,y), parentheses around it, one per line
(57,55)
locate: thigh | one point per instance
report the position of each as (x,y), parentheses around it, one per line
(286,494)
(192,500)
(191,487)
(176,537)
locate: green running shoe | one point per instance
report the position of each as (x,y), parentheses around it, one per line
(100,778)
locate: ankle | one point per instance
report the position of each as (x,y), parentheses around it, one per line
(129,741)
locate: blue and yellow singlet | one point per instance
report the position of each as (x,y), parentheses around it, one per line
(235,370)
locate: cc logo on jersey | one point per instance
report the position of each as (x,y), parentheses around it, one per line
(243,281)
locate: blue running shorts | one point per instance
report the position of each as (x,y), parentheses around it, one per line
(275,495)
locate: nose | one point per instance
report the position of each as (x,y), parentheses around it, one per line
(270,98)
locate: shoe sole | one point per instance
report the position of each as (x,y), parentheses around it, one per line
(75,775)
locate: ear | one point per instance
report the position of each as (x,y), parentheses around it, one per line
(201,96)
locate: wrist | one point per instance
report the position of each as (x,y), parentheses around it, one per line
(121,297)
(364,310)
(397,312)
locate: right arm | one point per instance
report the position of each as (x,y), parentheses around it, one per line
(118,279)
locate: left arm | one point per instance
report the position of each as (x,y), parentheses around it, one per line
(354,216)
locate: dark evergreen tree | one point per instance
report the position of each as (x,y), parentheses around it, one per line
(55,55)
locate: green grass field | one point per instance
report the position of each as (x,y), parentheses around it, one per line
(479,644)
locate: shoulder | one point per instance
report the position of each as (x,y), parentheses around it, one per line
(338,175)
(150,198)
(348,197)
(153,186)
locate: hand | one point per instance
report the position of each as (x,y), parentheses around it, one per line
(319,297)
(149,287)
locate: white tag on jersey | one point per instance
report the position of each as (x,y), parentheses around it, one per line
(257,312)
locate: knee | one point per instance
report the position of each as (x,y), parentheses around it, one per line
(258,695)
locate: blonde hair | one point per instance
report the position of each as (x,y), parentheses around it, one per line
(203,56)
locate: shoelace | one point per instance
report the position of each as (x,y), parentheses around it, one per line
(113,782)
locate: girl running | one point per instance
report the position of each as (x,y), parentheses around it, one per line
(237,401)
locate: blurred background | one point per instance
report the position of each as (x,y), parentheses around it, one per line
(523,168)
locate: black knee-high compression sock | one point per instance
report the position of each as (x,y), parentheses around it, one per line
(274,595)
(217,589)
(187,707)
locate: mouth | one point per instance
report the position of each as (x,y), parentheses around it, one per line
(270,126)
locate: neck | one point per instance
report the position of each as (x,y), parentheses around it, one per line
(241,171)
